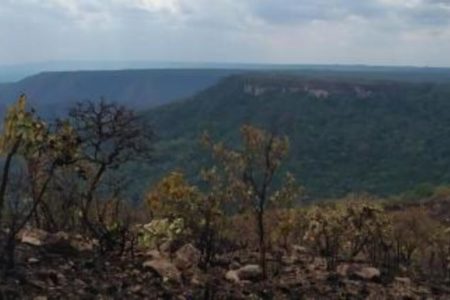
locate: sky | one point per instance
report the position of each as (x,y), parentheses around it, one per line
(374,32)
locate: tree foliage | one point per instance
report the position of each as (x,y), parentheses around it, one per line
(251,170)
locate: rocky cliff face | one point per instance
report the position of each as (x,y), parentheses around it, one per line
(317,89)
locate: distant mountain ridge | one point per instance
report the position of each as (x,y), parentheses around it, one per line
(15,72)
(53,92)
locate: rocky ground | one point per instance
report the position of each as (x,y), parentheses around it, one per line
(59,266)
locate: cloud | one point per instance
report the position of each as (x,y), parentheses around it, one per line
(410,12)
(308,31)
(169,6)
(294,11)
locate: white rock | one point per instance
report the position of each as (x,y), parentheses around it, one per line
(368,273)
(33,260)
(35,237)
(358,271)
(250,272)
(232,276)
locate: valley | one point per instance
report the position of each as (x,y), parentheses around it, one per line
(220,184)
(379,131)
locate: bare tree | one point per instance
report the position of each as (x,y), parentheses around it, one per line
(111,136)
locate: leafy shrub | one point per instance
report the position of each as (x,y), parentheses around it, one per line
(157,232)
(346,229)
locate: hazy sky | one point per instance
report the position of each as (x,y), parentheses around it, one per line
(388,32)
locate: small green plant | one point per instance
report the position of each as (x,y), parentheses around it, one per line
(157,232)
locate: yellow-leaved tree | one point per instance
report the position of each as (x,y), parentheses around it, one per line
(173,197)
(23,133)
(251,172)
(175,204)
(41,150)
(172,201)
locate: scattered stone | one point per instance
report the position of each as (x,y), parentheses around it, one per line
(79,283)
(165,269)
(222,261)
(46,271)
(37,284)
(358,272)
(153,254)
(291,259)
(60,242)
(300,250)
(33,260)
(197,280)
(368,273)
(136,288)
(342,270)
(187,256)
(232,276)
(246,273)
(33,236)
(62,280)
(235,265)
(250,272)
(402,280)
(83,244)
(352,287)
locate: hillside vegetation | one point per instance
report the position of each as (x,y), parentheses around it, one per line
(67,229)
(347,135)
(381,131)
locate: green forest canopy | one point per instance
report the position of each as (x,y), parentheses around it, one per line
(347,135)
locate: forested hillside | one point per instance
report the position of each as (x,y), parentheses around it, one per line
(377,130)
(383,137)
